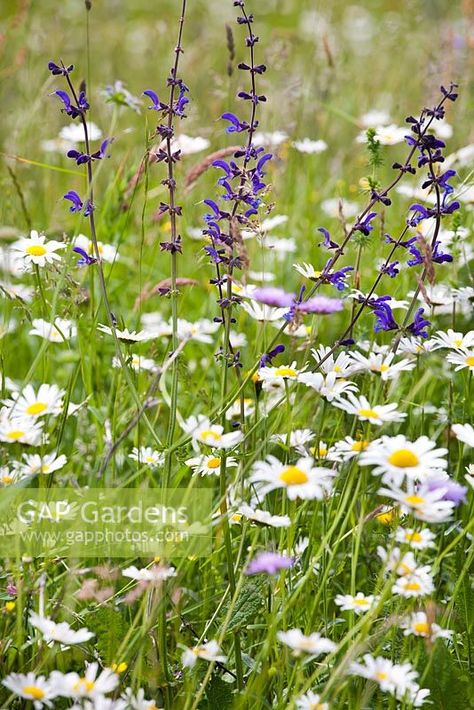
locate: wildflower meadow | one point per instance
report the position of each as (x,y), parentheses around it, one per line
(236,355)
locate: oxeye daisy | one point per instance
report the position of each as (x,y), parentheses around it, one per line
(154,574)
(299,438)
(32,687)
(340,366)
(462,359)
(306,145)
(416,539)
(209,651)
(453,340)
(203,432)
(310,701)
(107,252)
(301,480)
(360,603)
(281,373)
(322,451)
(421,502)
(418,584)
(22,431)
(60,331)
(418,624)
(9,477)
(348,448)
(261,312)
(375,414)
(396,561)
(145,455)
(137,363)
(415,346)
(464,433)
(125,335)
(381,364)
(397,679)
(263,517)
(36,250)
(329,386)
(28,403)
(91,685)
(209,465)
(34,463)
(395,457)
(313,645)
(62,632)
(234,410)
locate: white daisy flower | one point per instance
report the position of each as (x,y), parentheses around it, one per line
(417,539)
(147,455)
(462,359)
(107,252)
(464,433)
(27,403)
(415,346)
(313,645)
(360,603)
(137,363)
(348,448)
(74,132)
(310,701)
(10,477)
(418,584)
(60,331)
(203,432)
(341,365)
(234,410)
(394,457)
(209,465)
(298,439)
(375,414)
(125,335)
(90,685)
(421,502)
(397,679)
(261,312)
(32,687)
(322,451)
(375,119)
(36,250)
(200,331)
(263,276)
(189,145)
(209,651)
(263,517)
(22,431)
(273,139)
(381,364)
(453,340)
(281,373)
(396,561)
(279,246)
(386,135)
(330,387)
(359,296)
(62,632)
(418,624)
(34,463)
(306,145)
(301,480)
(20,291)
(154,574)
(138,701)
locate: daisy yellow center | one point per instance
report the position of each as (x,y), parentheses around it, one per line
(414,500)
(15,434)
(413,586)
(403,458)
(316,706)
(36,250)
(421,627)
(34,692)
(359,445)
(361,602)
(317,274)
(209,434)
(214,462)
(470,360)
(36,408)
(6,480)
(381,675)
(84,684)
(384,368)
(369,413)
(337,368)
(45,468)
(413,537)
(285,372)
(323,451)
(293,476)
(149,459)
(458,342)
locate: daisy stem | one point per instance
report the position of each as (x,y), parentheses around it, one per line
(40,289)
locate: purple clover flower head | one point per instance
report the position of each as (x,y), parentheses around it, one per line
(57,70)
(157,105)
(86,259)
(269,563)
(453,490)
(419,325)
(272,296)
(322,305)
